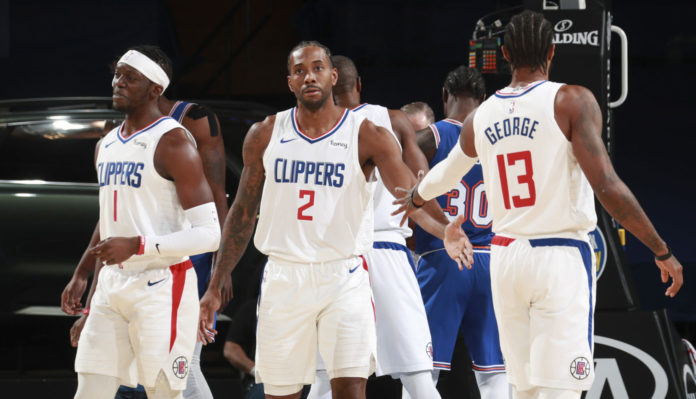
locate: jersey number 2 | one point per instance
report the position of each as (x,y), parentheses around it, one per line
(526,178)
(310,202)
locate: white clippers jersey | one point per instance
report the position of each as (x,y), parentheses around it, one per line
(387,227)
(534,184)
(133,198)
(316,204)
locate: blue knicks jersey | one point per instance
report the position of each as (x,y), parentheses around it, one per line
(469,198)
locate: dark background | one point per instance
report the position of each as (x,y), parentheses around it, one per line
(237,50)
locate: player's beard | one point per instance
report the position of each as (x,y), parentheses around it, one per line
(315,104)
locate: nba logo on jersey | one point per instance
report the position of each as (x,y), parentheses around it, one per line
(180,367)
(580,368)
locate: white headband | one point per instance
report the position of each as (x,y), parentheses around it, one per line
(147,67)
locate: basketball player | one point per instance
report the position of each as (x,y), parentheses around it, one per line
(542,155)
(461,300)
(155,208)
(403,337)
(419,114)
(312,162)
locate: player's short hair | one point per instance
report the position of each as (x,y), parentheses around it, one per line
(419,106)
(465,81)
(310,43)
(528,39)
(157,55)
(347,73)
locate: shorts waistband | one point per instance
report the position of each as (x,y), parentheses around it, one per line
(538,242)
(338,262)
(183,266)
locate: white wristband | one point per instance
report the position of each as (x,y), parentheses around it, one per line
(447,174)
(203,236)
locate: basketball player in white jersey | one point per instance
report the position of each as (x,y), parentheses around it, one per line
(403,337)
(542,155)
(307,168)
(204,126)
(156,208)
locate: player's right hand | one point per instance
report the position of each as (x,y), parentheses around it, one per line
(71,299)
(457,244)
(210,303)
(76,330)
(671,268)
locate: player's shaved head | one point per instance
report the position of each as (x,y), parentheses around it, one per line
(347,73)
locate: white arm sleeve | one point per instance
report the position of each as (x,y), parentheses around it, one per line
(203,236)
(447,174)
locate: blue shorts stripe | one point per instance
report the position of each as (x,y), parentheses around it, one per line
(395,247)
(586,254)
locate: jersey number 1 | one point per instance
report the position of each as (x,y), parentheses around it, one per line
(310,202)
(526,178)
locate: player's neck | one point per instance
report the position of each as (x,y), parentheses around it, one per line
(347,100)
(460,108)
(314,123)
(140,118)
(523,76)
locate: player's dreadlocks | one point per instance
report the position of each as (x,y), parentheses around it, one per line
(465,81)
(528,39)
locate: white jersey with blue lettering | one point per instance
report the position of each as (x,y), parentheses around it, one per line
(133,198)
(387,227)
(316,204)
(534,184)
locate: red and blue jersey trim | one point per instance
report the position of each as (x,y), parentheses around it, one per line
(442,365)
(331,131)
(436,134)
(502,94)
(452,121)
(495,368)
(138,132)
(359,107)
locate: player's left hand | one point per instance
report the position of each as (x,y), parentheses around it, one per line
(210,303)
(115,250)
(457,244)
(405,203)
(671,267)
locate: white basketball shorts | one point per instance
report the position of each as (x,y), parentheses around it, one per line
(140,323)
(305,306)
(403,336)
(544,296)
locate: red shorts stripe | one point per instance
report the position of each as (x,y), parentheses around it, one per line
(178,282)
(501,241)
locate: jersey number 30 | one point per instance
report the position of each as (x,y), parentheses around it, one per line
(526,158)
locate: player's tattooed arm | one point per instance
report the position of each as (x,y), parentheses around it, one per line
(239,224)
(580,118)
(241,218)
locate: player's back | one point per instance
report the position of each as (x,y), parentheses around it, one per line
(133,198)
(535,185)
(468,198)
(387,226)
(316,204)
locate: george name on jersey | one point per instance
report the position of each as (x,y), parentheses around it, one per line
(309,172)
(120,173)
(509,127)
